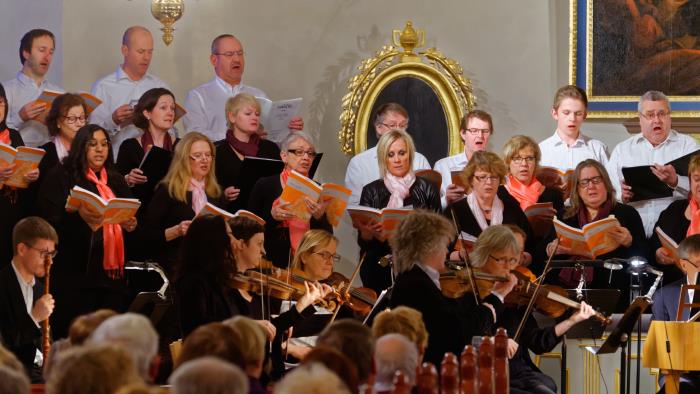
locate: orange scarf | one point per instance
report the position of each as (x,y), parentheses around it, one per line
(525,194)
(694,227)
(297,227)
(5,137)
(113,254)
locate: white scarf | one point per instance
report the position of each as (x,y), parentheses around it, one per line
(399,188)
(61,150)
(496,210)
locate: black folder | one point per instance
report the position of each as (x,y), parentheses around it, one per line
(155,166)
(254,168)
(681,163)
(645,185)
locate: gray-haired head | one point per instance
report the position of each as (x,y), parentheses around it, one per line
(284,145)
(394,352)
(208,375)
(653,95)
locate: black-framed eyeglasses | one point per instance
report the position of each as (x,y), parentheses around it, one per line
(44,253)
(504,260)
(583,183)
(519,160)
(74,119)
(327,256)
(301,152)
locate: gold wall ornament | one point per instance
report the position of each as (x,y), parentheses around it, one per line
(167,12)
(442,74)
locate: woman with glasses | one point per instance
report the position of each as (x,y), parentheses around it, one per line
(398,187)
(88,273)
(67,115)
(189,185)
(496,252)
(593,198)
(242,140)
(483,206)
(283,230)
(154,115)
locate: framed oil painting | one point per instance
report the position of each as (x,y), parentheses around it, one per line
(620,49)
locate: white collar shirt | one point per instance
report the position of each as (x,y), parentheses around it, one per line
(206,104)
(638,151)
(556,153)
(432,273)
(20,91)
(445,166)
(27,289)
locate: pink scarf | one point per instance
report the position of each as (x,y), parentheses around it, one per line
(694,227)
(199,197)
(525,194)
(399,188)
(297,227)
(113,254)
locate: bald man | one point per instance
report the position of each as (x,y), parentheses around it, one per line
(121,90)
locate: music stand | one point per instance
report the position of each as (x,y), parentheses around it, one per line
(153,304)
(383,302)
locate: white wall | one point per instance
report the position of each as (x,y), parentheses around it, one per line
(515,52)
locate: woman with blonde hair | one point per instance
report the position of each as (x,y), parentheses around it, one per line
(242,140)
(189,185)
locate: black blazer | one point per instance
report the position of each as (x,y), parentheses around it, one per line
(277,243)
(19,332)
(673,222)
(450,323)
(228,169)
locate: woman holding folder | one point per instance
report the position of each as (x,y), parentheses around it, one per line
(283,227)
(398,187)
(242,140)
(593,199)
(187,188)
(89,269)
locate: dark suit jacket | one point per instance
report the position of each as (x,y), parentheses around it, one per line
(20,335)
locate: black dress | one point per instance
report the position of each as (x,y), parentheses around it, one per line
(277,244)
(47,163)
(79,282)
(422,194)
(228,169)
(673,222)
(12,209)
(450,323)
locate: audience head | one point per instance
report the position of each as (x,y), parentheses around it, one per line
(390,116)
(484,172)
(194,157)
(208,375)
(336,362)
(590,187)
(405,321)
(247,242)
(90,150)
(522,155)
(13,381)
(228,58)
(155,110)
(206,249)
(316,254)
(689,253)
(92,370)
(298,152)
(654,116)
(395,153)
(311,379)
(475,129)
(394,352)
(140,388)
(243,113)
(4,108)
(36,52)
(422,237)
(251,338)
(33,241)
(569,109)
(354,340)
(135,334)
(496,251)
(137,49)
(67,115)
(212,339)
(84,325)
(9,360)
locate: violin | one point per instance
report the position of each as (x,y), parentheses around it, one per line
(455,283)
(359,299)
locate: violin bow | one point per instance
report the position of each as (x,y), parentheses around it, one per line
(535,294)
(465,259)
(347,289)
(46,335)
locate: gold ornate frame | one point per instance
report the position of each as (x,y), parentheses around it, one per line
(442,74)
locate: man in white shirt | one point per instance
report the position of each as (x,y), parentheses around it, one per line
(568,147)
(25,114)
(656,145)
(476,129)
(206,103)
(22,305)
(363,168)
(121,90)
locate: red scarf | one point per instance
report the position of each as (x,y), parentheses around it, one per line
(5,137)
(249,148)
(147,141)
(113,255)
(297,227)
(694,227)
(525,194)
